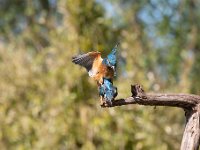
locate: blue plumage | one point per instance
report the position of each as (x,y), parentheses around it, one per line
(111,59)
(108,91)
(102,90)
(102,71)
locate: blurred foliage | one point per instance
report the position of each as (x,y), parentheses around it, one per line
(46,102)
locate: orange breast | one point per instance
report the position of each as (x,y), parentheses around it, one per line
(102,71)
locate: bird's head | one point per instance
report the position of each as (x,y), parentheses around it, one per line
(109,63)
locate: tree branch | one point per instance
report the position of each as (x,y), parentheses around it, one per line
(189,102)
(185,101)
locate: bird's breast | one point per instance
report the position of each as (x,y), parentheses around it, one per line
(104,72)
(101,71)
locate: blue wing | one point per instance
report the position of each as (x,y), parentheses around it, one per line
(111,59)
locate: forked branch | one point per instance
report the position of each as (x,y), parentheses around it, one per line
(189,102)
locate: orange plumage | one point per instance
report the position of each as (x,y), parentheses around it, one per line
(92,61)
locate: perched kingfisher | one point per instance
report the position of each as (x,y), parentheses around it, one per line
(97,67)
(107,92)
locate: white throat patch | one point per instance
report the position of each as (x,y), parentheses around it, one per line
(92,73)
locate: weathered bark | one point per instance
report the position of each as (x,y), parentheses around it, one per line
(190,140)
(189,102)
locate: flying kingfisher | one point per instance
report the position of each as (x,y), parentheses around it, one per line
(97,67)
(101,70)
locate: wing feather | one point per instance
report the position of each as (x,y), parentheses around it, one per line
(86,60)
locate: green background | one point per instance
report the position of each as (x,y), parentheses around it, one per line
(47,102)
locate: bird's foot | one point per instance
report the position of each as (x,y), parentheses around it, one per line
(104,103)
(108,104)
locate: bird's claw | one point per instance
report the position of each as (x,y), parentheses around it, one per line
(104,103)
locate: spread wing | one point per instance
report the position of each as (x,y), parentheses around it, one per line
(112,58)
(86,60)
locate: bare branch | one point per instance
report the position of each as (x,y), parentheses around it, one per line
(185,101)
(191,135)
(190,103)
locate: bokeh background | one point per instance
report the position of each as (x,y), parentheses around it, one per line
(47,102)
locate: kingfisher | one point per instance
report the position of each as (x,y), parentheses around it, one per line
(107,92)
(98,67)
